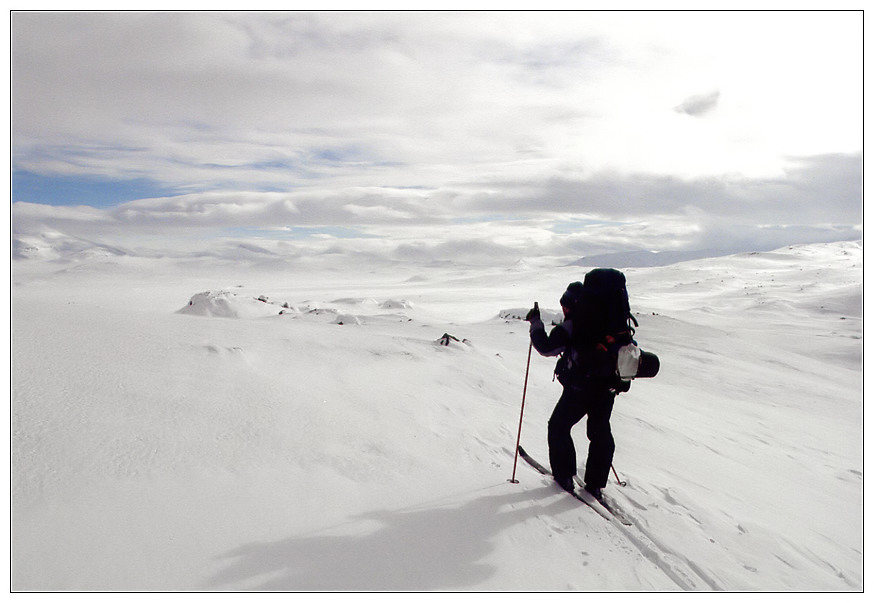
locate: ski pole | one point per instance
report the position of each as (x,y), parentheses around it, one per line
(513,479)
(618,481)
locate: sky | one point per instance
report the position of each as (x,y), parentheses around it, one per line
(481,136)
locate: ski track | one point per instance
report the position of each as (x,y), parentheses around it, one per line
(678,569)
(681,570)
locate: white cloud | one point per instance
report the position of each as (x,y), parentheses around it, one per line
(378,212)
(374,120)
(209,97)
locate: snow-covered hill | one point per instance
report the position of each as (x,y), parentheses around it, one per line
(177,426)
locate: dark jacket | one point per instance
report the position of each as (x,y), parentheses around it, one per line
(553,344)
(583,362)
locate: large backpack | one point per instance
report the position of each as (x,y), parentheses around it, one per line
(602,337)
(609,299)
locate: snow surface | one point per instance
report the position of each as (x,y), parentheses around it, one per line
(207,425)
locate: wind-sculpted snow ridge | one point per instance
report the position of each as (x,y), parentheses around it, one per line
(227,304)
(224,303)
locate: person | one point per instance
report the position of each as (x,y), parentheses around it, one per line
(588,390)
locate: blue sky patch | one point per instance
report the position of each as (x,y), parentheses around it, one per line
(82,190)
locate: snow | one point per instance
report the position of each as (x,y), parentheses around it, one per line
(188,425)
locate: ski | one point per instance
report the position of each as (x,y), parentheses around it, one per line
(598,506)
(530,460)
(608,504)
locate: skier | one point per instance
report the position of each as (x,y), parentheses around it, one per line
(587,390)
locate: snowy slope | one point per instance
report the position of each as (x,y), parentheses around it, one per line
(172,431)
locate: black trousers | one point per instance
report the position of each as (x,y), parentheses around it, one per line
(597,402)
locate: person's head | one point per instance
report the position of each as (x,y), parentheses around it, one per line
(571,297)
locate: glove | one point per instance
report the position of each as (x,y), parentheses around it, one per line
(533,313)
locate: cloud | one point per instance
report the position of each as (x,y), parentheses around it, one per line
(34,212)
(818,189)
(396,126)
(273,101)
(699,105)
(818,200)
(223,210)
